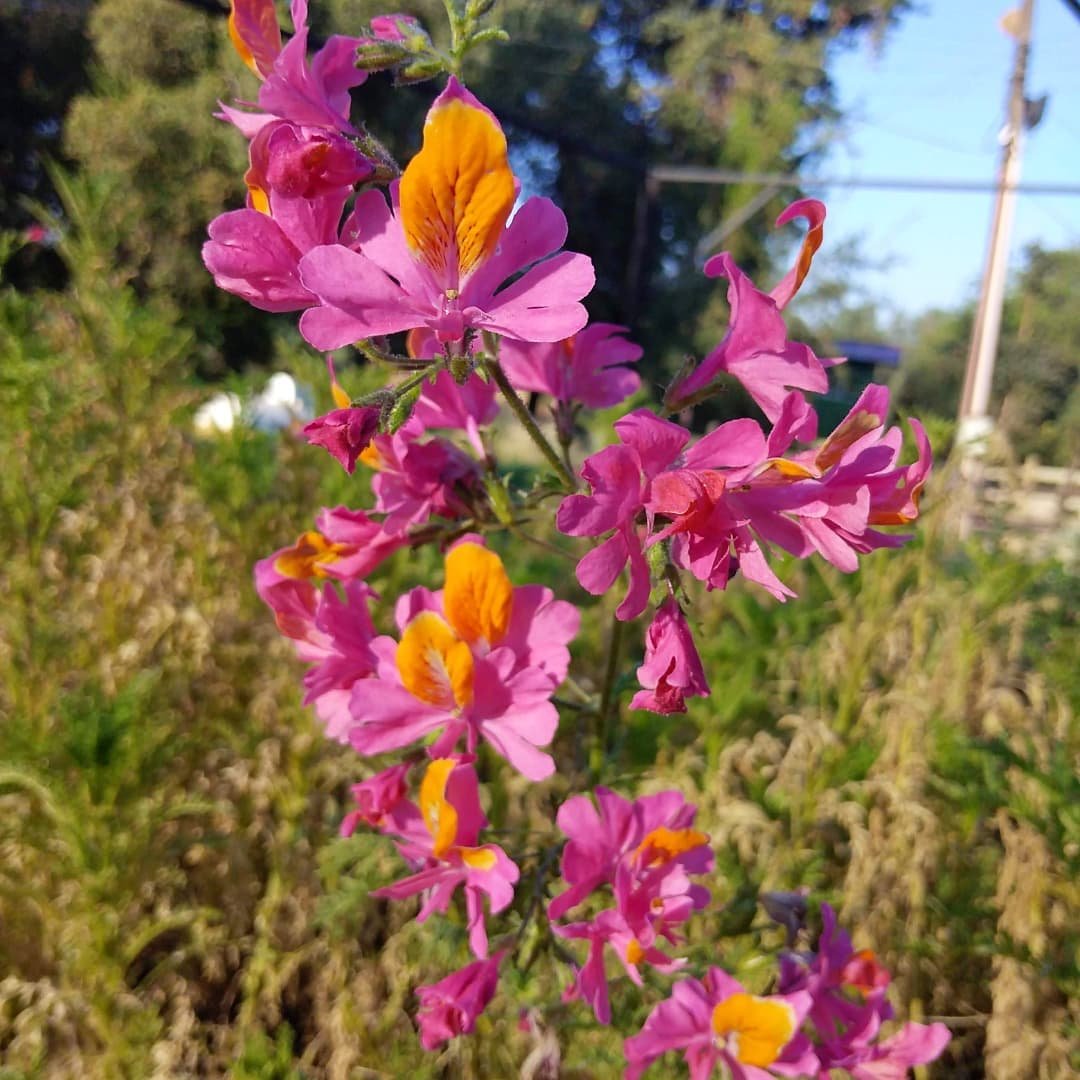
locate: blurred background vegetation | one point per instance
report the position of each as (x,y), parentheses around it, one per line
(173,897)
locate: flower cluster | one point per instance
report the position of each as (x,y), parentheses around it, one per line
(644,853)
(438,687)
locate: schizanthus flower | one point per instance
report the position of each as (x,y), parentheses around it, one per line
(644,851)
(720,502)
(479,659)
(440,255)
(315,93)
(587,369)
(847,990)
(756,349)
(716,1022)
(672,670)
(451,1006)
(441,838)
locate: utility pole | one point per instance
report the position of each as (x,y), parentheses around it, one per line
(974,419)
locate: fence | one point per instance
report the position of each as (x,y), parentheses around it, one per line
(1033,509)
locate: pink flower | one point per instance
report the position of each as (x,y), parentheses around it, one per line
(304,163)
(468,406)
(345,433)
(345,545)
(894,1057)
(672,670)
(417,478)
(331,632)
(586,368)
(314,95)
(646,852)
(756,349)
(437,259)
(716,1022)
(609,929)
(721,502)
(848,1006)
(255,253)
(619,477)
(450,1007)
(480,659)
(377,799)
(599,838)
(451,856)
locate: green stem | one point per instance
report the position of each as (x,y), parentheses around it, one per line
(519,409)
(415,380)
(607,695)
(407,362)
(401,389)
(456,42)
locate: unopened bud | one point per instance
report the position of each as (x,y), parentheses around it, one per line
(402,409)
(375,55)
(492,33)
(419,70)
(461,368)
(788,909)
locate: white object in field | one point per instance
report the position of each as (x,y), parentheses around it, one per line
(282,404)
(217,416)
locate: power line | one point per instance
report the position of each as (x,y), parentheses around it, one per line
(694,174)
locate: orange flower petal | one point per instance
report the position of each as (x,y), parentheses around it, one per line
(663,844)
(478,597)
(457,193)
(789,468)
(255,34)
(755,1029)
(435,665)
(440,817)
(814,212)
(307,557)
(478,858)
(851,429)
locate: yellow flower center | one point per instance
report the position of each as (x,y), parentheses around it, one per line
(752,1029)
(441,818)
(309,556)
(435,655)
(435,665)
(663,845)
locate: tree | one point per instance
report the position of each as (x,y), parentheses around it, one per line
(591,95)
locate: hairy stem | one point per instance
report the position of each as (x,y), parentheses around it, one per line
(517,406)
(607,695)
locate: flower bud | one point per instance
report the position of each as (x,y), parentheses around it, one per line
(372,55)
(419,70)
(402,409)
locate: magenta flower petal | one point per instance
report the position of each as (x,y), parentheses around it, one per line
(451,1006)
(344,433)
(527,309)
(672,669)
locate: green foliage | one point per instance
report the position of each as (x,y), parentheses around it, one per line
(174,894)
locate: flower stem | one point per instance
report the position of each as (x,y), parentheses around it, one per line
(517,406)
(607,695)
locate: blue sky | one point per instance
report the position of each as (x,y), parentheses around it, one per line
(931,103)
